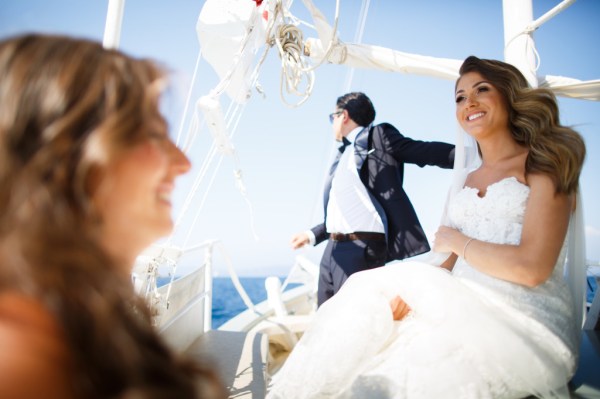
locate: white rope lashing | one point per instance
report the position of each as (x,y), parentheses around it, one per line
(294,70)
(528,30)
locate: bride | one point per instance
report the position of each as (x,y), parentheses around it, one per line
(498,319)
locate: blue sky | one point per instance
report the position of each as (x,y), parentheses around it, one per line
(283,152)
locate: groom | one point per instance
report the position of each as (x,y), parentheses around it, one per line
(369,219)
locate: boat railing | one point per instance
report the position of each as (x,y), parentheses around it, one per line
(158,277)
(177,284)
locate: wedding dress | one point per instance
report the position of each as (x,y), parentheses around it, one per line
(468,335)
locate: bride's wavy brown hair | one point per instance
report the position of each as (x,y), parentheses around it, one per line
(68,107)
(555,150)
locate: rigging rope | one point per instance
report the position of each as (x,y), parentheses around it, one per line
(358,39)
(295,71)
(528,30)
(529,45)
(293,68)
(189,98)
(233,114)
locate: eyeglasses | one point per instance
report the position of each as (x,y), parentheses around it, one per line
(333,115)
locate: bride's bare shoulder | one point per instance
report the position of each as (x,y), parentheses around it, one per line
(35,361)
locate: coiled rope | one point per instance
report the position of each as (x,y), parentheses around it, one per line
(294,70)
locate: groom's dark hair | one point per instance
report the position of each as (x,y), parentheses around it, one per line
(359,107)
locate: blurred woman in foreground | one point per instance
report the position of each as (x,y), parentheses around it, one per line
(86,173)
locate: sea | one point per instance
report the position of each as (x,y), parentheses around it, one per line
(226,301)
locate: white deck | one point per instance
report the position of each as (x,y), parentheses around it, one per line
(240,359)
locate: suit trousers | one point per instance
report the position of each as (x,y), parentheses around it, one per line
(341,259)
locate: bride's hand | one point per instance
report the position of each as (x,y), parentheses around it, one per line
(445,239)
(399,308)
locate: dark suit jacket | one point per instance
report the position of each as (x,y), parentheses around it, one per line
(384,151)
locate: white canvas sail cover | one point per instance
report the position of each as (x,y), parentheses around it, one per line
(373,57)
(569,87)
(230,33)
(384,59)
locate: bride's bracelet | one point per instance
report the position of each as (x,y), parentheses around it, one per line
(465,248)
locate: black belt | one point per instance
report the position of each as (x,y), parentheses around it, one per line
(359,235)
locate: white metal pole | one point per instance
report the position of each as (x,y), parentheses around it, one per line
(519,46)
(114,19)
(208,287)
(551,14)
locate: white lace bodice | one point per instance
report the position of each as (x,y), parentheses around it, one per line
(498,217)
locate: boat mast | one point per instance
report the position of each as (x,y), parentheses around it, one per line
(519,47)
(114,19)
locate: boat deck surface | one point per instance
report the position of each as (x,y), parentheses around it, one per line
(239,357)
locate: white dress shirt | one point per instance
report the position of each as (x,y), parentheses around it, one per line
(350,208)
